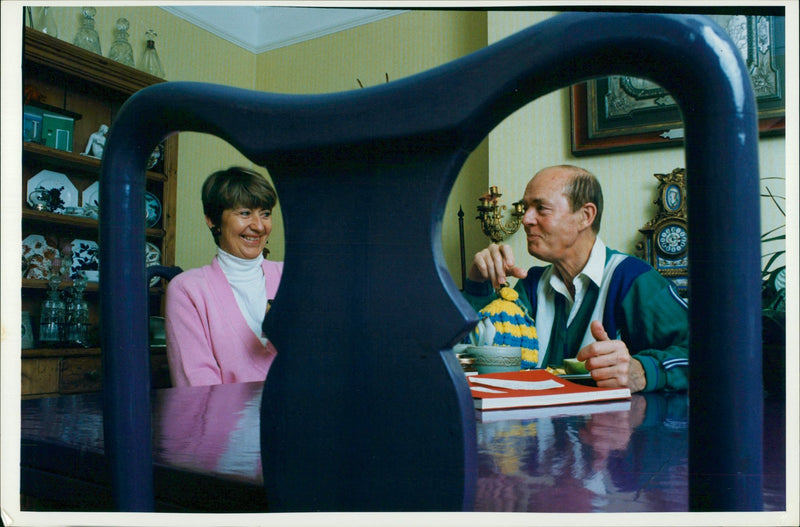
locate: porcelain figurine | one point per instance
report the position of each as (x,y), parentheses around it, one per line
(97,142)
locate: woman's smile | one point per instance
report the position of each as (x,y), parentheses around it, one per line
(244,232)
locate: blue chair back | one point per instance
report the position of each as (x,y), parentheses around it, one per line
(364,407)
(167,272)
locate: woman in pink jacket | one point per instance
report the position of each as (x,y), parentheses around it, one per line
(214,313)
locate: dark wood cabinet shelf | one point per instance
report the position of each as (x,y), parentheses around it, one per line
(56,55)
(59,352)
(91,287)
(77,222)
(50,156)
(90,89)
(56,371)
(33,283)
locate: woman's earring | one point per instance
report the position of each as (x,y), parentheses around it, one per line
(215,230)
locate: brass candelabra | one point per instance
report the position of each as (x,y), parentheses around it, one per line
(490,213)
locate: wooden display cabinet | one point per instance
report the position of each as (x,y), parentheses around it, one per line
(91,89)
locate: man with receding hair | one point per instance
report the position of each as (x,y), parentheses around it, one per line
(609,309)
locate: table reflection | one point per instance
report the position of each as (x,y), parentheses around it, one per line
(604,460)
(212,429)
(624,456)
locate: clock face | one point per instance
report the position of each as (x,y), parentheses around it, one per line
(672,239)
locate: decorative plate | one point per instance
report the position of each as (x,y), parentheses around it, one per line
(86,258)
(91,196)
(153,209)
(155,156)
(58,190)
(37,255)
(152,256)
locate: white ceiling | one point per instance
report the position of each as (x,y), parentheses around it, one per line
(261,28)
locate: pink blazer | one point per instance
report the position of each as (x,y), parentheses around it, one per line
(208,338)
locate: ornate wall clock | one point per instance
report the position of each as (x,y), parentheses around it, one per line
(666,236)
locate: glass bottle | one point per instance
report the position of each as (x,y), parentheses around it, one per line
(66,262)
(121,49)
(150,61)
(77,323)
(87,37)
(46,23)
(68,296)
(52,317)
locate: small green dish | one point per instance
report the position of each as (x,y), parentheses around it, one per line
(575,367)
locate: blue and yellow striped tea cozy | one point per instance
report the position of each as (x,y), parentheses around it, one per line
(513,325)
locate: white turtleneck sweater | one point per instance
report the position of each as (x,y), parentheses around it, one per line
(246,278)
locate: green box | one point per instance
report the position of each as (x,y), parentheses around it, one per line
(57,131)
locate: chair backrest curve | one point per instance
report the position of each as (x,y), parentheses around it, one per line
(383,420)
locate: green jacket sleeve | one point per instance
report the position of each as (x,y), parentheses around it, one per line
(658,332)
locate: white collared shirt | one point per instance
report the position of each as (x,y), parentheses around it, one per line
(550,284)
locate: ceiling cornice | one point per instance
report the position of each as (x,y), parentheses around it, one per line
(262,28)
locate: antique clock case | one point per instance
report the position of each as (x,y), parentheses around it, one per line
(666,236)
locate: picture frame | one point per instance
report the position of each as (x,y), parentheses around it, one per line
(620,113)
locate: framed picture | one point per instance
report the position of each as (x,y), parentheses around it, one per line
(620,113)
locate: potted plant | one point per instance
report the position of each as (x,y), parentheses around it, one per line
(773,303)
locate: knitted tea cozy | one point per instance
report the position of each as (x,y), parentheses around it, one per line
(513,325)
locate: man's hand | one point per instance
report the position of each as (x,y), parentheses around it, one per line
(610,362)
(495,263)
(607,432)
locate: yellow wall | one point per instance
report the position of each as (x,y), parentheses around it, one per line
(536,136)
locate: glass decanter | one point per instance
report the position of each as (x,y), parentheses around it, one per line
(53,312)
(77,324)
(121,49)
(66,261)
(150,61)
(87,37)
(46,23)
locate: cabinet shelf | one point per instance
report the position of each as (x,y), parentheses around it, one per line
(70,160)
(59,352)
(91,287)
(36,283)
(56,54)
(79,83)
(71,352)
(75,221)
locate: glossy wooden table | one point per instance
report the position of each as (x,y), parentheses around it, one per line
(619,457)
